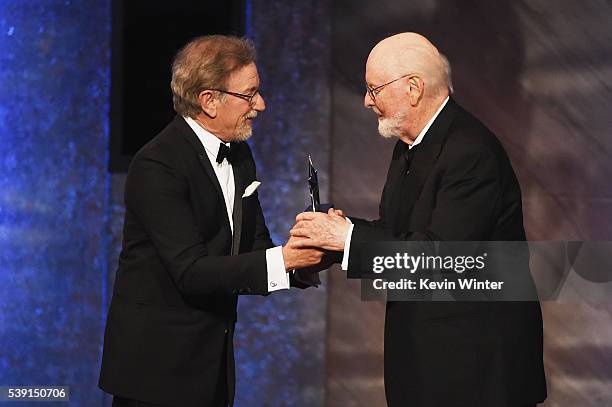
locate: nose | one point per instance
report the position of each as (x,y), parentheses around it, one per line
(260,104)
(368,102)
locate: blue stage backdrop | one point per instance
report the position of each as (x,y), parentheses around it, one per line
(54,82)
(61,211)
(280,339)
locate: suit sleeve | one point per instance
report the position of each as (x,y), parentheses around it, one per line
(466,202)
(159,196)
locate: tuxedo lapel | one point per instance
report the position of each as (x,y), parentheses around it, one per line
(395,185)
(204,161)
(423,159)
(211,174)
(239,178)
(409,179)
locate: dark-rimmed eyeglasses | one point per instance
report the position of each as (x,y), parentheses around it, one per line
(249,98)
(373,91)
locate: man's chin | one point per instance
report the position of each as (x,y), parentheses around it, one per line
(387,131)
(243,135)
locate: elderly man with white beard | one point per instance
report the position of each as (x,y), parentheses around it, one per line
(449,180)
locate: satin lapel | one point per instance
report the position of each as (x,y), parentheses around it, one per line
(424,158)
(237,211)
(395,179)
(204,161)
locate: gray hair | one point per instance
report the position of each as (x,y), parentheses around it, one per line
(448,72)
(206,63)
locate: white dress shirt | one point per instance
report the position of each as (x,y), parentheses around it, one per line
(347,242)
(278,278)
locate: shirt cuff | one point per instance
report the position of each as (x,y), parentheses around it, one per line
(347,246)
(278,278)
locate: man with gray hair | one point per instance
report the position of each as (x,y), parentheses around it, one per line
(194,238)
(449,180)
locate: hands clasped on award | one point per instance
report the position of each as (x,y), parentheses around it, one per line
(317,240)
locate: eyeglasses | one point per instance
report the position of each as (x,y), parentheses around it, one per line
(249,98)
(373,91)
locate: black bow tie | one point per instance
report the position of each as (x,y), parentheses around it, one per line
(224,152)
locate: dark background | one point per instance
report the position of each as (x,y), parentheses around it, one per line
(145,37)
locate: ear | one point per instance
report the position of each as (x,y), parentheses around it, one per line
(208,103)
(416,89)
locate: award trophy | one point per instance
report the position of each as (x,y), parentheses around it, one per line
(313,189)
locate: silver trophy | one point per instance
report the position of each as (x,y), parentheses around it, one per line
(313,190)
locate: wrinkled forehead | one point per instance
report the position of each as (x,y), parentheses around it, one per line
(381,66)
(388,60)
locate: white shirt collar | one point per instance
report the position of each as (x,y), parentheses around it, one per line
(208,140)
(428,125)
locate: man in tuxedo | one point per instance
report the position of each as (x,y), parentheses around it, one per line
(194,238)
(449,180)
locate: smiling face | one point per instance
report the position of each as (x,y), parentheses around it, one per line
(230,117)
(234,120)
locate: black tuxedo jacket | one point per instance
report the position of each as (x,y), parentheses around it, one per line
(458,186)
(170,325)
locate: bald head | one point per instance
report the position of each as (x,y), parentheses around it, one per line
(411,53)
(407,80)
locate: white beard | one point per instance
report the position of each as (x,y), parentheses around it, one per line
(391,127)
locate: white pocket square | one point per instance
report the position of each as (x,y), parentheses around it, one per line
(251,188)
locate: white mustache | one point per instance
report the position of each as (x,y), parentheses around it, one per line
(251,115)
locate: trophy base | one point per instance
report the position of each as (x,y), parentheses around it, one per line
(322,208)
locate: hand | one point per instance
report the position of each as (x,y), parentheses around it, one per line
(329,258)
(299,256)
(326,231)
(338,212)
